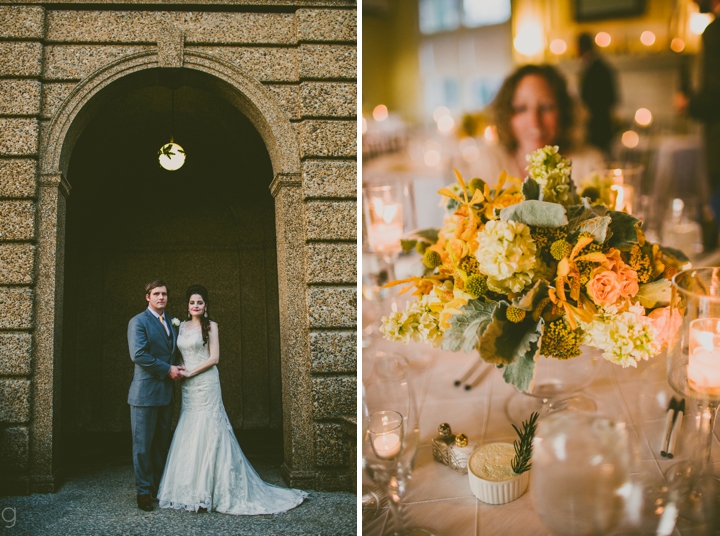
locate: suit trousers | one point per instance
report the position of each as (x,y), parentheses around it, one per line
(151,442)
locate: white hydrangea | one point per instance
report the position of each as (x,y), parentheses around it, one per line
(417,323)
(551,171)
(507,256)
(626,337)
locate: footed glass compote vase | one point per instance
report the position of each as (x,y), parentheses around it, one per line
(693,369)
(557,386)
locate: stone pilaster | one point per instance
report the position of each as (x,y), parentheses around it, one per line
(45,441)
(299,461)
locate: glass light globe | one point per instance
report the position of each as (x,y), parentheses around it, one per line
(171,156)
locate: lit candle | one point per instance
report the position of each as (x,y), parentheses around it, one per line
(623,192)
(704,355)
(387,446)
(387,230)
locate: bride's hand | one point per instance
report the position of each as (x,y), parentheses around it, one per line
(186,373)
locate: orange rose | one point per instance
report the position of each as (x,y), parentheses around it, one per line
(605,288)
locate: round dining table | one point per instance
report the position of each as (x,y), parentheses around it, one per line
(441,501)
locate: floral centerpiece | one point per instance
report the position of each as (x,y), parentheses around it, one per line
(528,269)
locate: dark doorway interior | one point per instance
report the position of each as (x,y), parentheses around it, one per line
(128,221)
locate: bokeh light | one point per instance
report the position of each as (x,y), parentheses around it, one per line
(380,113)
(558,46)
(699,21)
(439,112)
(643,117)
(677,45)
(630,139)
(647,38)
(603,39)
(445,124)
(364,125)
(529,38)
(432,157)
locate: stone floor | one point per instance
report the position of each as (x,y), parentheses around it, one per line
(101,501)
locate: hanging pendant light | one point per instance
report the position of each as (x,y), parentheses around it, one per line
(171,156)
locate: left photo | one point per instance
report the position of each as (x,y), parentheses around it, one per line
(178,267)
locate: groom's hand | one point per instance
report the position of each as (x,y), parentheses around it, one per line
(175,373)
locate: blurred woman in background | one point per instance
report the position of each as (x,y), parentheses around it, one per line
(533,109)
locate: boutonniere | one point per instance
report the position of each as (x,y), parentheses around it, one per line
(176,322)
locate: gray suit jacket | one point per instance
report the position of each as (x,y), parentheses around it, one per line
(153,352)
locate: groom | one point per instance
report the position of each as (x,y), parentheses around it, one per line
(152,340)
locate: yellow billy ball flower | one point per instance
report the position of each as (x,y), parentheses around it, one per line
(432,259)
(476,285)
(420,247)
(515,314)
(560,249)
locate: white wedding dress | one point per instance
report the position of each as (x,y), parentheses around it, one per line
(205,466)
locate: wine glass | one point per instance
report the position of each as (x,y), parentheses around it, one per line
(693,370)
(556,386)
(393,424)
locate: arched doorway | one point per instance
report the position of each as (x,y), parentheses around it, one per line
(129,221)
(87,100)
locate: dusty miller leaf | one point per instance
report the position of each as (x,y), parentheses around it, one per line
(538,213)
(503,342)
(655,294)
(466,329)
(522,373)
(585,211)
(598,227)
(423,235)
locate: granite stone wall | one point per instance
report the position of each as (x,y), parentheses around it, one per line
(297,57)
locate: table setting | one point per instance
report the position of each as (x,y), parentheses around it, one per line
(540,367)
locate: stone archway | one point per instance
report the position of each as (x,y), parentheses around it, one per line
(253,100)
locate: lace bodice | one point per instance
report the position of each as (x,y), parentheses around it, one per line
(191,346)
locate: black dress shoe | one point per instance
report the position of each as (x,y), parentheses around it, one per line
(144,502)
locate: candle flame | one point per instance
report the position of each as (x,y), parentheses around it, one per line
(705,339)
(619,197)
(388,213)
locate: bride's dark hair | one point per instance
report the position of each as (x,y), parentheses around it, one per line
(205,319)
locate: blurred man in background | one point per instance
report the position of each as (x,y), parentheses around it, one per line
(598,94)
(704,105)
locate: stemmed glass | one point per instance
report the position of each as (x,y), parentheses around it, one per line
(557,386)
(388,215)
(390,453)
(693,369)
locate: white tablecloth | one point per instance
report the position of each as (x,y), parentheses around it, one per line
(440,500)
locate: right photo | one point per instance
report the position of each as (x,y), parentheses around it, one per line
(540,267)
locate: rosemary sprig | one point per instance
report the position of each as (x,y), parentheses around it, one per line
(523,445)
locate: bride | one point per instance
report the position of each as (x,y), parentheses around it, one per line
(206,470)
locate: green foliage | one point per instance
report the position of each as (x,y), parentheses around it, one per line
(531,189)
(504,342)
(597,227)
(624,230)
(522,373)
(577,214)
(532,212)
(655,294)
(523,445)
(465,329)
